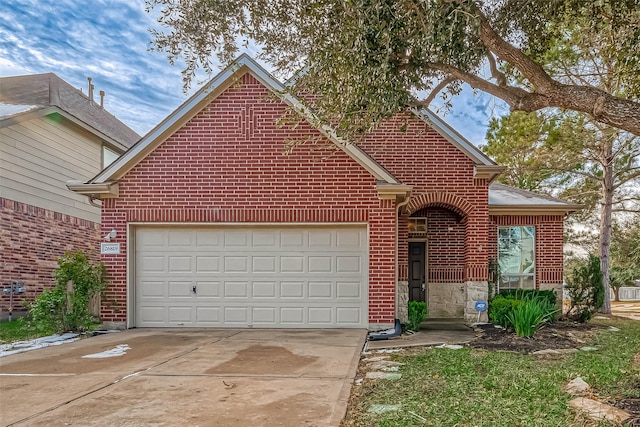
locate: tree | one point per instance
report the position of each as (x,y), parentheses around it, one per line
(576,156)
(369,59)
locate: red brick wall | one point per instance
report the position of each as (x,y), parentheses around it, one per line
(31,241)
(227,165)
(441,175)
(549,243)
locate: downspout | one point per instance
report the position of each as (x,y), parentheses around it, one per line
(93,203)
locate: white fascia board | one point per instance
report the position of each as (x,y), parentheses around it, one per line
(130,158)
(453,136)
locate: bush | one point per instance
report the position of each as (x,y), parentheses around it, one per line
(500,307)
(507,300)
(527,316)
(61,310)
(417,313)
(585,289)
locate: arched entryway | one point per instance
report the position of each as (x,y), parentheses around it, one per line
(433,243)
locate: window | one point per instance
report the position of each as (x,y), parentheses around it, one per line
(108,156)
(417,225)
(516,257)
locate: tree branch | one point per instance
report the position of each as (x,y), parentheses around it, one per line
(437,89)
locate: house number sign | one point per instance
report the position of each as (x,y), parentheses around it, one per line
(481,305)
(109,248)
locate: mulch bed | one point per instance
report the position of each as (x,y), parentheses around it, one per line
(556,336)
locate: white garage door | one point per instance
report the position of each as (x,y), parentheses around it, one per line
(251,276)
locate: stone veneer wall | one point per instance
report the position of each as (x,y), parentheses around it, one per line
(557,287)
(476,291)
(402,301)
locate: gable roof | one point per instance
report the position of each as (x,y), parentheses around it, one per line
(507,200)
(203,97)
(37,95)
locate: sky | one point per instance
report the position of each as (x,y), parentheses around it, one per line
(109,40)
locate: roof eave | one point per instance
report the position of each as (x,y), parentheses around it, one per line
(45,111)
(210,91)
(488,172)
(106,190)
(453,136)
(502,210)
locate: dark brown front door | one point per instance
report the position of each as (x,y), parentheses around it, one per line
(417,281)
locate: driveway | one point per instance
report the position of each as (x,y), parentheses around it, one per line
(194,377)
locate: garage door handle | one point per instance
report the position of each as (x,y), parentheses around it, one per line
(193,289)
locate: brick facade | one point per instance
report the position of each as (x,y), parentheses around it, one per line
(227,164)
(31,241)
(441,176)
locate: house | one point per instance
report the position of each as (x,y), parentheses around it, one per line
(218,228)
(49,133)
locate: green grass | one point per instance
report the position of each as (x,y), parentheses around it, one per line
(19,330)
(471,387)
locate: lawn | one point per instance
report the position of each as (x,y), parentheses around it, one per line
(18,330)
(474,387)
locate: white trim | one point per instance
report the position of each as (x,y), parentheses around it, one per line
(150,141)
(453,136)
(133,227)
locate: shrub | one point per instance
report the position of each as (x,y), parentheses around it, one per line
(522,294)
(507,301)
(500,307)
(527,316)
(585,289)
(60,309)
(417,313)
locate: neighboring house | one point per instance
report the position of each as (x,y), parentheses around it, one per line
(217,227)
(49,133)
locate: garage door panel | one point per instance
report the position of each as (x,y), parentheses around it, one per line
(346,290)
(265,316)
(292,316)
(238,315)
(180,314)
(236,238)
(320,264)
(290,290)
(320,290)
(271,276)
(236,289)
(180,289)
(207,264)
(208,316)
(180,264)
(264,290)
(208,238)
(151,264)
(320,315)
(264,264)
(348,264)
(348,315)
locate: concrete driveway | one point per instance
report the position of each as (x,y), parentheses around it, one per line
(190,377)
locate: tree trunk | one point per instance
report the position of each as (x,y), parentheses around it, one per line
(605,219)
(616,294)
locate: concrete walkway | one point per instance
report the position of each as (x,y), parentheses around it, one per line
(190,377)
(432,332)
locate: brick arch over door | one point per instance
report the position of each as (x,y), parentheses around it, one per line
(443,200)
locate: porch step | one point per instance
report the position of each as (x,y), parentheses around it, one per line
(444,324)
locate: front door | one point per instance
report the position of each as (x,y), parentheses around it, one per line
(417,282)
